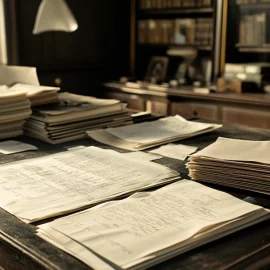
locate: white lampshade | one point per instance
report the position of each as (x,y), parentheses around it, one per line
(54,15)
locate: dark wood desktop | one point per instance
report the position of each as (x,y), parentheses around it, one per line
(21,249)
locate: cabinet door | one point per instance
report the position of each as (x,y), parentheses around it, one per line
(157,107)
(245,116)
(193,109)
(133,101)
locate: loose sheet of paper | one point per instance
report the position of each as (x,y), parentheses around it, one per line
(33,90)
(142,156)
(161,129)
(49,186)
(11,147)
(177,151)
(10,75)
(130,231)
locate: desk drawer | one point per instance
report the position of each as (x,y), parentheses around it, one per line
(133,101)
(191,109)
(245,116)
(157,107)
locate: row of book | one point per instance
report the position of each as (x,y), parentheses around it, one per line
(252,77)
(253,29)
(163,4)
(179,31)
(246,2)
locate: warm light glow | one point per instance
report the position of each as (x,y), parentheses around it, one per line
(54,15)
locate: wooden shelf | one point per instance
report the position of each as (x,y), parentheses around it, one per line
(165,46)
(265,48)
(255,7)
(175,11)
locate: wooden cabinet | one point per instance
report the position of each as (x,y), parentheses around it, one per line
(246,116)
(195,109)
(244,109)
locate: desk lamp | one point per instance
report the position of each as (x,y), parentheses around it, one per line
(54,15)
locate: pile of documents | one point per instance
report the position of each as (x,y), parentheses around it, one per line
(148,228)
(74,115)
(234,163)
(49,186)
(149,134)
(14,109)
(19,79)
(37,94)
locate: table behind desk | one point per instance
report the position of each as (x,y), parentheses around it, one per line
(20,248)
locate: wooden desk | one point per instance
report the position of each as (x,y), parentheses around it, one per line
(245,109)
(20,248)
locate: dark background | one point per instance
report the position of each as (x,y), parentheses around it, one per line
(99,50)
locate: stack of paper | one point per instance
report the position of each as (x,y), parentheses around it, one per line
(25,80)
(235,163)
(149,134)
(14,109)
(49,186)
(37,95)
(73,116)
(148,228)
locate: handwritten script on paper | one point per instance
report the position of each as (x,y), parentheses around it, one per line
(39,188)
(126,231)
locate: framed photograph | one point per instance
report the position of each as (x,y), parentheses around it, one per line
(157,69)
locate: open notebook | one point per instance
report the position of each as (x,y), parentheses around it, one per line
(150,227)
(149,134)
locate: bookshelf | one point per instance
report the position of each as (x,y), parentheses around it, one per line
(253,26)
(156,24)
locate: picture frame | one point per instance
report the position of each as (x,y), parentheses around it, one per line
(157,69)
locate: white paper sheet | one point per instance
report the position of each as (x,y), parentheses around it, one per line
(10,75)
(177,151)
(130,231)
(142,156)
(11,147)
(49,186)
(33,90)
(161,129)
(238,150)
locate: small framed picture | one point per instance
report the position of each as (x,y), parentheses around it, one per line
(157,69)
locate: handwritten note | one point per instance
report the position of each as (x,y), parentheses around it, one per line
(132,230)
(49,186)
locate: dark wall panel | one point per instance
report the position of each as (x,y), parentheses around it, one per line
(102,39)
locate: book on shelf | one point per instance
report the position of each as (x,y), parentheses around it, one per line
(146,229)
(249,68)
(186,31)
(166,4)
(253,29)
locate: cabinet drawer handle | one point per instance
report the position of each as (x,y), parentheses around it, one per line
(58,81)
(195,113)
